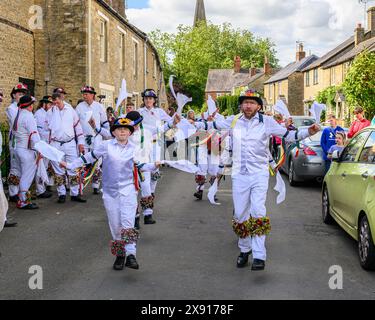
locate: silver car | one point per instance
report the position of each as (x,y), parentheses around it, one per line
(304,160)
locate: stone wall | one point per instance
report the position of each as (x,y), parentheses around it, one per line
(295,94)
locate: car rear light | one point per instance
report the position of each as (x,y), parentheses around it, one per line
(297,152)
(309,152)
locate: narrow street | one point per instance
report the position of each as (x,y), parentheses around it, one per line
(189,254)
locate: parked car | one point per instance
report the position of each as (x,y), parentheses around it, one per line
(304,160)
(348,194)
(303,121)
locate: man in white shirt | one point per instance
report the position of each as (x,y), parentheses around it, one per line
(26,136)
(90,107)
(15,170)
(65,133)
(153,119)
(250,133)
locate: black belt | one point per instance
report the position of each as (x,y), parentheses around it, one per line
(63,142)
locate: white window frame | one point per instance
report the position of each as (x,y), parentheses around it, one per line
(135,58)
(103,40)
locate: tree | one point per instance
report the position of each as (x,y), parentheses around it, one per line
(192,51)
(359,84)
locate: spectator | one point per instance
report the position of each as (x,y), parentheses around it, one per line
(130,107)
(340,144)
(110,115)
(191,116)
(277,141)
(358,124)
(328,139)
(290,125)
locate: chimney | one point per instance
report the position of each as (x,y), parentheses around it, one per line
(301,54)
(359,34)
(237,64)
(118,5)
(267,66)
(371,21)
(253,70)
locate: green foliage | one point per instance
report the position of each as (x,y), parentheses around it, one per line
(192,51)
(327,96)
(228,105)
(359,84)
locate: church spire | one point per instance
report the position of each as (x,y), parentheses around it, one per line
(200,12)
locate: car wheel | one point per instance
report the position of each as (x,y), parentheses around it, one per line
(292,175)
(326,212)
(366,248)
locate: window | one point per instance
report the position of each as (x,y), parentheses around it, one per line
(270,91)
(350,152)
(307,79)
(103,41)
(135,59)
(279,84)
(316,76)
(108,100)
(332,75)
(345,69)
(368,152)
(122,51)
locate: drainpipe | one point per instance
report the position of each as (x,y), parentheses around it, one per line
(145,63)
(89,44)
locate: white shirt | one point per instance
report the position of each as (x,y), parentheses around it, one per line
(153,118)
(99,115)
(250,141)
(26,133)
(64,124)
(118,165)
(42,124)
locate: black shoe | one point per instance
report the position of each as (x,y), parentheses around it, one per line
(13,199)
(137,224)
(10,224)
(30,206)
(49,188)
(77,199)
(243,259)
(45,195)
(149,220)
(96,191)
(62,199)
(119,263)
(199,195)
(258,265)
(131,262)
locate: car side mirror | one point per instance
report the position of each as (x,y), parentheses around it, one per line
(336,156)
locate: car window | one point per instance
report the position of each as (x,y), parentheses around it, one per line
(350,152)
(300,122)
(368,152)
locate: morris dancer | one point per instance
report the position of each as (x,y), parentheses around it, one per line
(250,174)
(120,188)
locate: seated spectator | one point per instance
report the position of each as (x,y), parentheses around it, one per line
(340,144)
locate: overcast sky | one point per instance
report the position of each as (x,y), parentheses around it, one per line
(321,24)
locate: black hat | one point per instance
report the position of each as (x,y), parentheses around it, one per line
(127,122)
(88,89)
(59,90)
(252,95)
(149,93)
(26,101)
(20,87)
(46,99)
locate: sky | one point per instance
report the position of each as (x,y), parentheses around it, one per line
(320,24)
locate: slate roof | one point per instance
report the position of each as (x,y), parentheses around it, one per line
(291,68)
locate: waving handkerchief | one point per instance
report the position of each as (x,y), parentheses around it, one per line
(182,100)
(280,107)
(211,105)
(123,95)
(171,86)
(49,152)
(316,110)
(182,165)
(212,193)
(280,188)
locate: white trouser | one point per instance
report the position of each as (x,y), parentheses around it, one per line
(146,191)
(27,159)
(71,154)
(40,186)
(3,206)
(249,198)
(121,212)
(15,170)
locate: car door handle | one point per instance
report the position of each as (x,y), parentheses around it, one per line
(343,175)
(365,175)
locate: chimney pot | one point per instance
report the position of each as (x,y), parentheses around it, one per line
(371,21)
(237,64)
(359,34)
(301,54)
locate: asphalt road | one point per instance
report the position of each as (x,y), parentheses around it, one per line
(189,254)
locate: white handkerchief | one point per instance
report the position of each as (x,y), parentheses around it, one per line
(41,173)
(49,152)
(280,188)
(281,108)
(123,95)
(211,105)
(3,206)
(316,110)
(182,100)
(185,130)
(171,86)
(182,165)
(212,193)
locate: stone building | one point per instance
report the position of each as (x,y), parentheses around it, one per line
(70,43)
(331,69)
(287,84)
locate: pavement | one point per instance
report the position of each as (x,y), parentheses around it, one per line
(189,254)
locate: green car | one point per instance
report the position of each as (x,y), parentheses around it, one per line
(348,195)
